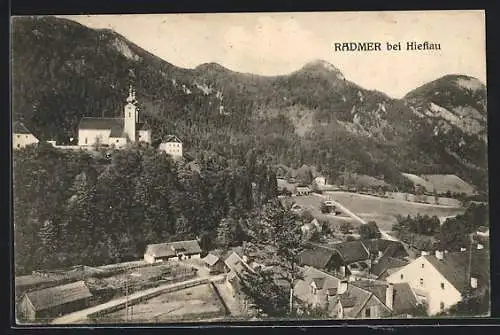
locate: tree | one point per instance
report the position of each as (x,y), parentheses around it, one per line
(345,227)
(263,290)
(226,232)
(369,230)
(288,248)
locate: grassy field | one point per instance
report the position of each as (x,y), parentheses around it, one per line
(312,203)
(194,303)
(383,211)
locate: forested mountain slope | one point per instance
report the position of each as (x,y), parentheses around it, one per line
(62,71)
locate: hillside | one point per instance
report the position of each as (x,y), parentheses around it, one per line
(315,116)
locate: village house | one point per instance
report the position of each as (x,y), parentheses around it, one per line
(441,279)
(48,303)
(21,136)
(172,145)
(172,251)
(115,131)
(355,300)
(214,264)
(385,266)
(237,265)
(302,190)
(353,258)
(323,259)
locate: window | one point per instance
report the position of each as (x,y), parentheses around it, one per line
(18,136)
(85,140)
(402,276)
(18,145)
(421,281)
(422,265)
(441,306)
(26,136)
(368,312)
(117,141)
(442,286)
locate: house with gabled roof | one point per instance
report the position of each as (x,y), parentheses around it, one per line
(178,250)
(22,136)
(385,266)
(43,305)
(214,263)
(343,299)
(172,145)
(441,280)
(237,265)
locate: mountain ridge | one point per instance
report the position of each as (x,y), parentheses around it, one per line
(78,71)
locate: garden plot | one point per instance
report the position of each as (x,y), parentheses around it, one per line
(194,303)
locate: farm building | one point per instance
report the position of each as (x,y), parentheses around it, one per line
(179,250)
(54,301)
(214,263)
(237,265)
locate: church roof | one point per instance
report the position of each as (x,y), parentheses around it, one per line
(115,124)
(19,128)
(101,122)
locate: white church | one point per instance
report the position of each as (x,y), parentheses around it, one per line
(114,132)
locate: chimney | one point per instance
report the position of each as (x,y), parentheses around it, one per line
(342,270)
(480,246)
(342,287)
(473,282)
(439,255)
(389,296)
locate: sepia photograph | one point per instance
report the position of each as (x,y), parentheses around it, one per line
(247,167)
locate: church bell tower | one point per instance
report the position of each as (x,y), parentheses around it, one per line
(130,116)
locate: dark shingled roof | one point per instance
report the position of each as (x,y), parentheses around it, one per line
(58,295)
(454,267)
(353,251)
(389,248)
(19,128)
(319,282)
(317,257)
(169,249)
(348,301)
(100,122)
(404,300)
(385,263)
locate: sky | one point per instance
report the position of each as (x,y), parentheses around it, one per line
(280,43)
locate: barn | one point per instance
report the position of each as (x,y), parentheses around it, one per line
(214,263)
(178,250)
(43,305)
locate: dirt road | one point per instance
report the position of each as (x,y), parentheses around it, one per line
(354,216)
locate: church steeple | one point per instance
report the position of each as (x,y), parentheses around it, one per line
(131,95)
(130,117)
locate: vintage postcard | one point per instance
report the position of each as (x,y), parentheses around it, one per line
(249,166)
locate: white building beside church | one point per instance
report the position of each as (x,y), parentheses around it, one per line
(21,136)
(117,131)
(172,145)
